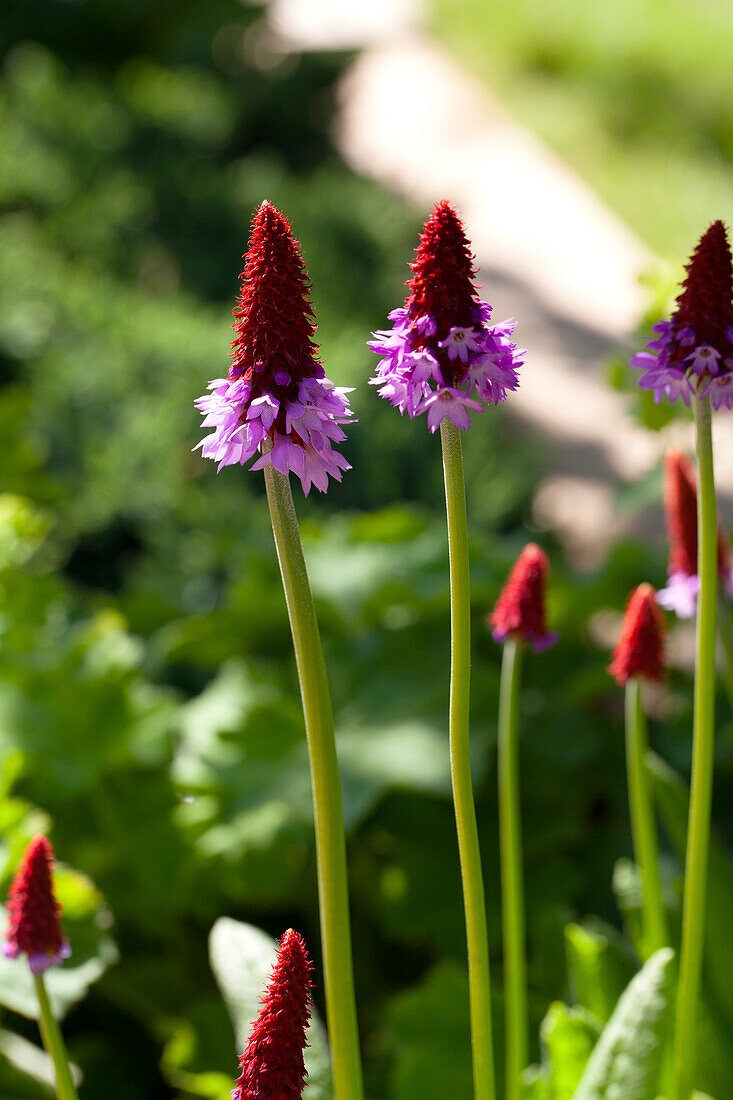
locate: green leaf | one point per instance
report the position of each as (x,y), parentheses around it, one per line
(568,1036)
(241,958)
(32,1062)
(426,1029)
(601,965)
(627,1057)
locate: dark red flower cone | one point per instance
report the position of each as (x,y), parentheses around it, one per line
(640,649)
(276,400)
(706,302)
(680,507)
(272,1067)
(275,323)
(34,927)
(520,609)
(442,285)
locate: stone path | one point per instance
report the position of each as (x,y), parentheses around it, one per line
(550,252)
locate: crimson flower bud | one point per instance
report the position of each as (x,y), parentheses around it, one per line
(640,649)
(520,609)
(272,1066)
(680,507)
(34,912)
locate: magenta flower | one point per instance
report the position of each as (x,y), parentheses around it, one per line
(276,400)
(442,356)
(693,351)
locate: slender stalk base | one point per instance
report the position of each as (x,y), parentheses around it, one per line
(643,828)
(512,889)
(330,839)
(698,832)
(460,756)
(54,1043)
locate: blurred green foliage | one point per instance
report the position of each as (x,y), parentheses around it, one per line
(149,712)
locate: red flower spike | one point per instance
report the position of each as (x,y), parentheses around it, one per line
(272,1066)
(520,609)
(34,913)
(442,285)
(640,649)
(680,507)
(275,321)
(705,304)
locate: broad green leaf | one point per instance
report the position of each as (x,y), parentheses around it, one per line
(86,922)
(30,1060)
(241,958)
(627,1057)
(568,1036)
(426,1030)
(601,965)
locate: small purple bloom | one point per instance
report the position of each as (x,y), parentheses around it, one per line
(443,356)
(680,594)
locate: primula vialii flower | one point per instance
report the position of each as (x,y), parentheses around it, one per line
(692,352)
(276,400)
(34,927)
(272,1067)
(640,649)
(680,506)
(443,356)
(520,609)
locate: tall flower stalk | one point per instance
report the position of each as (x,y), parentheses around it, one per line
(692,357)
(479,974)
(277,403)
(517,620)
(703,748)
(640,656)
(35,931)
(444,357)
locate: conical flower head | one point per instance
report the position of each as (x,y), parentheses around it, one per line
(692,353)
(640,650)
(276,399)
(443,356)
(706,302)
(34,926)
(275,324)
(272,1066)
(520,609)
(680,507)
(442,285)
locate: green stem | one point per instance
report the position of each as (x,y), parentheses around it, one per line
(54,1043)
(512,892)
(698,832)
(460,757)
(330,839)
(643,828)
(725,635)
